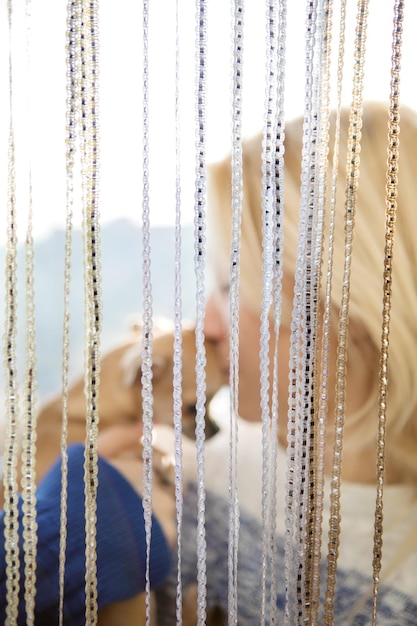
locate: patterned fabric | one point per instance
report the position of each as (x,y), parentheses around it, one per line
(352,602)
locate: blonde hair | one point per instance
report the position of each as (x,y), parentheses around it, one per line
(366,287)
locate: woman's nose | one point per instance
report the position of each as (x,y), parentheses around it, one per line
(215,326)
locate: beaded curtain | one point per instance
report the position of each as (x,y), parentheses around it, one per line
(324,28)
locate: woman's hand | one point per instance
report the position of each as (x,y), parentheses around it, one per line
(121,446)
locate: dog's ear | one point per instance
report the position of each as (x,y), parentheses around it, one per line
(132,365)
(160,324)
(134,323)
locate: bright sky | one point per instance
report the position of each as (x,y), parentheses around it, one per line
(42,138)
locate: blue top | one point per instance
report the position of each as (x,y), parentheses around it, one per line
(121,544)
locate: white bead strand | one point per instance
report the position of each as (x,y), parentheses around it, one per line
(199,264)
(302,347)
(147,314)
(177,358)
(272,209)
(72,121)
(237,195)
(10,483)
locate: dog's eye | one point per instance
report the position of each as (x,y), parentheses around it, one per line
(190,409)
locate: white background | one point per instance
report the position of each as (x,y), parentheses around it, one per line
(40,134)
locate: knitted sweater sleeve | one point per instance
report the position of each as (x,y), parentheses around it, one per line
(394,607)
(121,544)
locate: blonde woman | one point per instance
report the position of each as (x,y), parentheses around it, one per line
(398,591)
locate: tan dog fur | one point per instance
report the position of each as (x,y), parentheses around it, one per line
(120,397)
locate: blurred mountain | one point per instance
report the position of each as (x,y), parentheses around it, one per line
(122,291)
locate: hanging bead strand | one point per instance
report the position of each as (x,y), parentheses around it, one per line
(316,199)
(268,204)
(177,365)
(199,264)
(237,195)
(391,209)
(10,482)
(315,478)
(147,315)
(277,269)
(302,350)
(73,47)
(352,174)
(272,206)
(92,281)
(30,405)
(325,335)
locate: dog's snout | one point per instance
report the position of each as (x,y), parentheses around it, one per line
(190,410)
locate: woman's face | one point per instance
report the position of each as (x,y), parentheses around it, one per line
(359,380)
(217,330)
